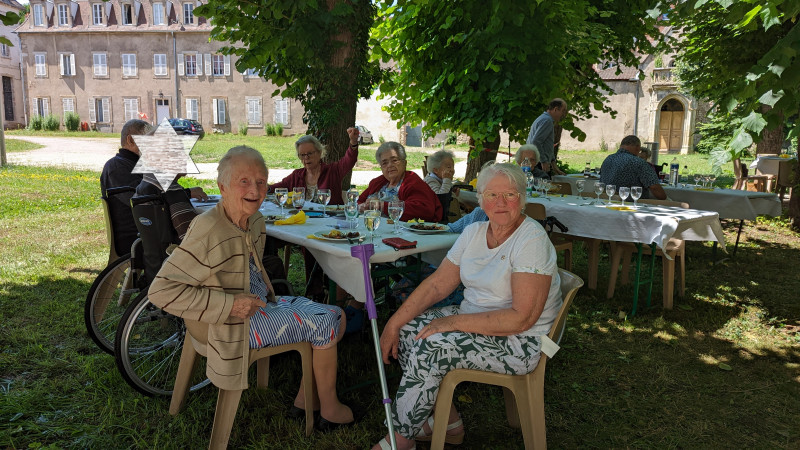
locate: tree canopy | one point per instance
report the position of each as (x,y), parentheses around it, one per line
(483,67)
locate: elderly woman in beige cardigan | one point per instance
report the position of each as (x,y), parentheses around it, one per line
(215,276)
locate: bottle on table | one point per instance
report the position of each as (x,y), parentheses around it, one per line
(587,169)
(674,167)
(526,165)
(685,176)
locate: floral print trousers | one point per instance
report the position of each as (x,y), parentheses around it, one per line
(427,361)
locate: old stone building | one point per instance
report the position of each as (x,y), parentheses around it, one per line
(111,61)
(13,103)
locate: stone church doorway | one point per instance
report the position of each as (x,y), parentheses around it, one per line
(670,128)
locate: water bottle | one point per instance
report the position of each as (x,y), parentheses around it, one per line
(526,165)
(685,176)
(587,169)
(674,167)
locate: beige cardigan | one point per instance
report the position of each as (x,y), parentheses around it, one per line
(199,280)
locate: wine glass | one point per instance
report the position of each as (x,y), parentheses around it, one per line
(636,194)
(712,178)
(324,196)
(281,195)
(623,193)
(697,178)
(299,197)
(372,220)
(610,188)
(599,188)
(546,186)
(706,180)
(396,208)
(580,184)
(351,212)
(352,195)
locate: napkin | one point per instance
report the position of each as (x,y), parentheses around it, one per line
(296,219)
(703,189)
(620,208)
(311,236)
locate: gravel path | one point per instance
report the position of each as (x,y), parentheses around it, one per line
(92,154)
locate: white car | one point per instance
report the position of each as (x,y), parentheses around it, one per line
(364,135)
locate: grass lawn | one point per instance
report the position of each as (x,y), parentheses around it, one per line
(61,133)
(721,370)
(19,145)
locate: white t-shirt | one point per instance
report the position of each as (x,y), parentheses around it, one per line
(486,273)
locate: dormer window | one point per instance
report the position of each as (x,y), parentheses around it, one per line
(63,15)
(188,13)
(38,15)
(127,13)
(97,14)
(158,14)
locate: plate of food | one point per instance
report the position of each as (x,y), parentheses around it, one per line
(339,236)
(422,227)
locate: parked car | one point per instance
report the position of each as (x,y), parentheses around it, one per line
(364,135)
(187,126)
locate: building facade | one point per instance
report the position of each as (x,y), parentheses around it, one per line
(13,102)
(112,61)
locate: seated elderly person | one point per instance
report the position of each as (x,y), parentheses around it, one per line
(398,183)
(441,168)
(530,152)
(644,154)
(625,168)
(215,276)
(511,299)
(315,174)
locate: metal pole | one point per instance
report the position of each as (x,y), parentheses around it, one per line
(175,72)
(636,116)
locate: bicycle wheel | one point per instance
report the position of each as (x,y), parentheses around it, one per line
(104,303)
(148,349)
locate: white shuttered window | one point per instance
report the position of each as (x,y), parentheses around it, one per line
(160,64)
(99,64)
(131,108)
(282,115)
(192,109)
(253,110)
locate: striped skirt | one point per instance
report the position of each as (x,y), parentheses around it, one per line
(296,319)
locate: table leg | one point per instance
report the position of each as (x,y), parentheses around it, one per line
(593,261)
(637,281)
(741,223)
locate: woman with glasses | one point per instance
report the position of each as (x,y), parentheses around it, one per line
(316,174)
(395,182)
(511,299)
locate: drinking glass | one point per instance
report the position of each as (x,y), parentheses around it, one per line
(636,194)
(299,197)
(580,184)
(352,195)
(374,203)
(706,180)
(712,178)
(281,195)
(351,212)
(324,196)
(697,178)
(396,208)
(536,183)
(599,188)
(610,188)
(546,186)
(372,220)
(623,193)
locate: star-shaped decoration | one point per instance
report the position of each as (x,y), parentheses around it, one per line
(165,154)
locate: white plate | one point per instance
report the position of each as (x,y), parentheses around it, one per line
(441,228)
(321,235)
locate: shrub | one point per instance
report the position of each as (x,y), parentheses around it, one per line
(381,139)
(243,129)
(52,122)
(72,121)
(452,138)
(269,129)
(278,129)
(36,122)
(603,144)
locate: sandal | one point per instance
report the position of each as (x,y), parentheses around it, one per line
(453,439)
(386,445)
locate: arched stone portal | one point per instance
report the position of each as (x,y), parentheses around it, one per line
(670,125)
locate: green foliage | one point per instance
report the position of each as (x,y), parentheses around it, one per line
(269,129)
(659,60)
(242,129)
(36,122)
(72,121)
(452,138)
(603,144)
(316,52)
(278,129)
(51,123)
(479,68)
(381,139)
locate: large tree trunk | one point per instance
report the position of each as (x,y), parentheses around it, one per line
(794,199)
(771,139)
(479,157)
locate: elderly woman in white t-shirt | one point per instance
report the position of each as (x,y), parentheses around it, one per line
(511,299)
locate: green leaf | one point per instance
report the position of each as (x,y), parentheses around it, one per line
(770,17)
(724,366)
(770,98)
(741,141)
(754,122)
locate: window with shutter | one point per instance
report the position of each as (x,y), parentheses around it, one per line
(106,109)
(160,64)
(68,104)
(131,106)
(181,60)
(129,65)
(38,15)
(92,113)
(40,63)
(199,65)
(208,64)
(282,112)
(253,110)
(192,109)
(158,14)
(100,68)
(63,15)
(218,108)
(97,14)
(227,66)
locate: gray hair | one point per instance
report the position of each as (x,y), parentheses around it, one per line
(239,152)
(134,127)
(526,148)
(511,171)
(436,159)
(311,139)
(390,145)
(645,152)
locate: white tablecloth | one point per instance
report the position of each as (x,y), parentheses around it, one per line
(573,178)
(335,258)
(729,203)
(768,164)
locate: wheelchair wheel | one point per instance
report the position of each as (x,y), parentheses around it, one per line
(148,347)
(104,304)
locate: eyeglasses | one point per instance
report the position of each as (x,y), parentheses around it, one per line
(393,161)
(305,155)
(492,197)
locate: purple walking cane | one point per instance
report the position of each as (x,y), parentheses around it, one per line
(363,252)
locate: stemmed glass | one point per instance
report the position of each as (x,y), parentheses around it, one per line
(711,179)
(546,186)
(351,212)
(706,180)
(352,195)
(396,208)
(324,196)
(537,182)
(636,194)
(599,188)
(298,197)
(623,193)
(281,195)
(372,220)
(697,178)
(610,188)
(580,184)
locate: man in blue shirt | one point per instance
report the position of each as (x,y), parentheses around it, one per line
(542,134)
(625,168)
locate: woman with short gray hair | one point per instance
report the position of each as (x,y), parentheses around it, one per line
(441,168)
(531,153)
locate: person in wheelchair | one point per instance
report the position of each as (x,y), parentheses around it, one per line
(216,276)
